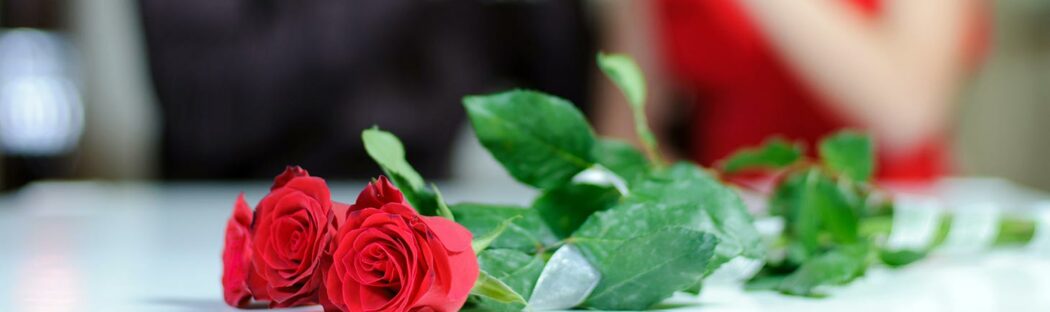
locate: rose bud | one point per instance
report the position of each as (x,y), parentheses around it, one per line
(377,194)
(392,259)
(293,225)
(236,256)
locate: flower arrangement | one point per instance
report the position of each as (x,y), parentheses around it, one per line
(613,227)
(378,254)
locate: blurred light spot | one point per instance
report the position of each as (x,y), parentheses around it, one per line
(40,108)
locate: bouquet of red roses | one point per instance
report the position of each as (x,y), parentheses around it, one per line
(613,227)
(378,254)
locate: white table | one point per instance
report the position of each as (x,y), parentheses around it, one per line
(88,246)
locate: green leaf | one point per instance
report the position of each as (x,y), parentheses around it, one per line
(849,153)
(527,233)
(621,158)
(388,152)
(442,207)
(764,282)
(626,74)
(832,207)
(696,199)
(899,258)
(481,243)
(542,140)
(491,288)
(645,270)
(835,267)
(514,274)
(1015,231)
(773,154)
(816,209)
(566,207)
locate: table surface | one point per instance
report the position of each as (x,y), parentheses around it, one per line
(75,246)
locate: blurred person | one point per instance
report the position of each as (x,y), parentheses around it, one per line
(801,70)
(248,86)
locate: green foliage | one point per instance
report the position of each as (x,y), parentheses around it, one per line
(849,153)
(835,267)
(647,269)
(1015,231)
(621,158)
(626,74)
(775,153)
(683,197)
(387,151)
(899,258)
(442,207)
(673,227)
(566,207)
(495,291)
(512,274)
(527,232)
(481,243)
(542,140)
(827,203)
(831,228)
(702,201)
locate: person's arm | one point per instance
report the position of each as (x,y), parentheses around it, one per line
(895,75)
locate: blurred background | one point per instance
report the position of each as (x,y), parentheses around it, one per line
(237,89)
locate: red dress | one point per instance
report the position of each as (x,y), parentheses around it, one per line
(746,93)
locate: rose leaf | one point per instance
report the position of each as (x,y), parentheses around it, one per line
(899,258)
(492,289)
(835,267)
(513,269)
(527,232)
(850,154)
(565,208)
(482,242)
(621,158)
(647,269)
(627,75)
(387,151)
(773,154)
(541,140)
(442,206)
(693,198)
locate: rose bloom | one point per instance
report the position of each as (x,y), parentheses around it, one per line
(236,256)
(293,226)
(389,258)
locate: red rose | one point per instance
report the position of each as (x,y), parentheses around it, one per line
(393,259)
(236,256)
(293,225)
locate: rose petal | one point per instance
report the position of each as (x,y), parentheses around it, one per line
(236,255)
(455,237)
(378,193)
(289,173)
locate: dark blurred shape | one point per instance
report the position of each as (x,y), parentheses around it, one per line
(248,86)
(31,13)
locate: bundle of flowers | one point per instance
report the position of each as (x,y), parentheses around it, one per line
(377,254)
(613,227)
